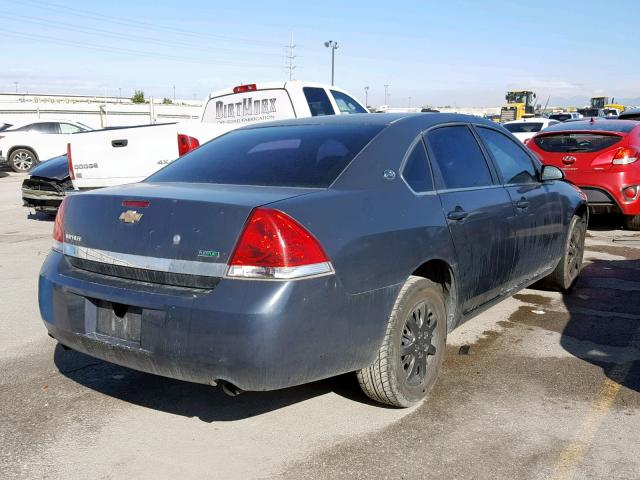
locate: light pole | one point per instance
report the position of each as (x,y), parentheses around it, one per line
(174,94)
(119,95)
(366,96)
(409,102)
(386,94)
(16,84)
(333,46)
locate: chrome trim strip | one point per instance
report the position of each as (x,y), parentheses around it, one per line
(170,265)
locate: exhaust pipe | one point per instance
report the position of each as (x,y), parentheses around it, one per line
(230,389)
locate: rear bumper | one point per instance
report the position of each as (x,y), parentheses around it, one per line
(257,335)
(604,190)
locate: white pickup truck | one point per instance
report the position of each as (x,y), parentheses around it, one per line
(130,154)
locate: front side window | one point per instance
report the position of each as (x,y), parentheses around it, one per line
(346,104)
(318,101)
(511,159)
(68,128)
(285,156)
(458,158)
(416,171)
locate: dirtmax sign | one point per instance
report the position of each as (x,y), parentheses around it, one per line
(248,110)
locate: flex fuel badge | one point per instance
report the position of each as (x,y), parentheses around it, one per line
(209,253)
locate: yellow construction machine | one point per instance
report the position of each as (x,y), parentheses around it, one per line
(520,104)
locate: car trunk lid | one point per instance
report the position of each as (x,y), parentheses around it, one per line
(173,228)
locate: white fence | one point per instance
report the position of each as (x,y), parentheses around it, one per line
(109,112)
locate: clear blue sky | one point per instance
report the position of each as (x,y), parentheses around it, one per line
(436,52)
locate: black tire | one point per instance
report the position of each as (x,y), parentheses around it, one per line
(632,222)
(566,272)
(22,160)
(412,351)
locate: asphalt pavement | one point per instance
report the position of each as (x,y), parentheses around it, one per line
(541,386)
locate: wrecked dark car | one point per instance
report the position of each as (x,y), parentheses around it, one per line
(287,252)
(47,185)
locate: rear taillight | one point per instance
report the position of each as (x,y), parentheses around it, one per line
(624,156)
(245,88)
(274,246)
(70,162)
(526,141)
(58,227)
(186,144)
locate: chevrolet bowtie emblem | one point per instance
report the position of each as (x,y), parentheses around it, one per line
(130,216)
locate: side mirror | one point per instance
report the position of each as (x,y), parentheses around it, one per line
(549,172)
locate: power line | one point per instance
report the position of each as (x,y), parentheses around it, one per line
(141,24)
(126,51)
(104,32)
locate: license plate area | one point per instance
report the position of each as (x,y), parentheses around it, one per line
(119,321)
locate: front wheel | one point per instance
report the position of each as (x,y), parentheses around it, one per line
(407,364)
(22,160)
(567,271)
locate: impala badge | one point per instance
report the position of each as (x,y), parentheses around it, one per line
(130,216)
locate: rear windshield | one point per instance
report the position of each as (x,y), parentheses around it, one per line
(524,127)
(576,142)
(595,126)
(561,117)
(291,156)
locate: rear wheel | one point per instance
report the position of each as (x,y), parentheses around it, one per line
(411,354)
(632,222)
(567,271)
(22,160)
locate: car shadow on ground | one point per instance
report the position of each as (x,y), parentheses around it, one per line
(209,404)
(40,216)
(611,341)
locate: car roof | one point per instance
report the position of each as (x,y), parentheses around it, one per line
(274,86)
(630,111)
(48,120)
(424,119)
(595,124)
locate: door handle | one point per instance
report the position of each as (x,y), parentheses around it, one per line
(522,203)
(457,214)
(119,143)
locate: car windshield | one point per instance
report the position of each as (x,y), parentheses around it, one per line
(292,156)
(523,127)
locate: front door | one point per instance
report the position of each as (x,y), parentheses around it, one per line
(538,227)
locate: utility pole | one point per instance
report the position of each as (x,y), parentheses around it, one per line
(366,96)
(333,46)
(386,94)
(290,57)
(174,94)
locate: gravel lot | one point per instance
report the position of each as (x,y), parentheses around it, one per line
(549,388)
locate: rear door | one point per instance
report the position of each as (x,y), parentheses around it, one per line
(538,226)
(479,213)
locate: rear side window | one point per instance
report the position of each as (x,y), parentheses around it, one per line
(291,156)
(318,101)
(416,171)
(46,127)
(346,104)
(249,107)
(458,157)
(513,162)
(576,142)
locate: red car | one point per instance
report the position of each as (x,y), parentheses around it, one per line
(601,157)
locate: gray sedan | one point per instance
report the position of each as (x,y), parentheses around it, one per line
(289,252)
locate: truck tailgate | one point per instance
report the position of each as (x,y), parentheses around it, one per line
(121,155)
